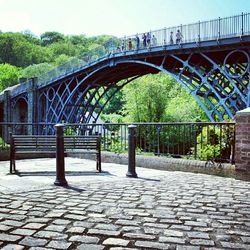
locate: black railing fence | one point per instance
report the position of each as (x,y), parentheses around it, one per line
(201,141)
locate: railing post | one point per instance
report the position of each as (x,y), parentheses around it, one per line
(199,30)
(158,139)
(242,23)
(164,36)
(131,151)
(60,173)
(219,28)
(124,44)
(195,142)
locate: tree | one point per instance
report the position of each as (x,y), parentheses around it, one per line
(30,37)
(159,98)
(62,59)
(66,48)
(9,76)
(96,50)
(16,50)
(79,40)
(51,37)
(145,100)
(115,105)
(36,70)
(183,107)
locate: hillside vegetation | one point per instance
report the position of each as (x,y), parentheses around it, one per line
(152,98)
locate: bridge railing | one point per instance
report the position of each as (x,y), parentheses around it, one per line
(200,141)
(197,32)
(216,29)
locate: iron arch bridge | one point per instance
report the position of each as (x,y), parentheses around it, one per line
(211,62)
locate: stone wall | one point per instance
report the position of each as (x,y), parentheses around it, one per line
(242,140)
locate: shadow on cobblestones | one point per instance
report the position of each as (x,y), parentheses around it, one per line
(149,179)
(68,173)
(69,187)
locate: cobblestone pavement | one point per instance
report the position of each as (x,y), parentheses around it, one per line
(159,210)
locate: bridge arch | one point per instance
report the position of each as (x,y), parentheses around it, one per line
(202,74)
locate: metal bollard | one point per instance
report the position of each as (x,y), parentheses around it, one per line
(60,173)
(131,151)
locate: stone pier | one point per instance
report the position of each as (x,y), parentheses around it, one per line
(242,140)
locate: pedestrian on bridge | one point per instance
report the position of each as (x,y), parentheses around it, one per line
(129,44)
(178,37)
(154,41)
(137,39)
(171,38)
(148,39)
(144,40)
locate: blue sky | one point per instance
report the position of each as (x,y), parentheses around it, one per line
(112,17)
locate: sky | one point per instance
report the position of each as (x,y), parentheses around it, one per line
(110,17)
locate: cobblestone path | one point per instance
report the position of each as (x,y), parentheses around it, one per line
(171,210)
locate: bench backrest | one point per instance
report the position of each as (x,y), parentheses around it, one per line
(48,143)
(82,142)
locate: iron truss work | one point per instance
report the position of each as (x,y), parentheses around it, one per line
(218,80)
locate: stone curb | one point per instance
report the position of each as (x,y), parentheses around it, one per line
(155,162)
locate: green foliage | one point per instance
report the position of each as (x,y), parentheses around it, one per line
(113,144)
(159,98)
(214,143)
(30,37)
(95,51)
(51,37)
(62,59)
(79,40)
(36,70)
(9,75)
(59,48)
(16,49)
(3,144)
(177,109)
(104,40)
(116,103)
(145,100)
(112,118)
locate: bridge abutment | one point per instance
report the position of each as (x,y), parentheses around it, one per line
(242,140)
(6,113)
(32,104)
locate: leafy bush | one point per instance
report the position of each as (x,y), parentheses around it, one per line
(114,144)
(214,143)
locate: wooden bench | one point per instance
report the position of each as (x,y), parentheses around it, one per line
(40,144)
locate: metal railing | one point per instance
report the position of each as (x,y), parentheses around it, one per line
(216,29)
(201,141)
(238,25)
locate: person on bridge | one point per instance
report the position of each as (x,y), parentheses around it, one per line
(124,45)
(137,39)
(178,37)
(171,38)
(148,39)
(144,40)
(129,44)
(154,41)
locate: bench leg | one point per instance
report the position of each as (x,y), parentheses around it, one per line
(12,166)
(98,163)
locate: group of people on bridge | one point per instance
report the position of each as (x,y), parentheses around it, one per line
(147,41)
